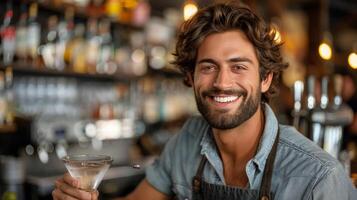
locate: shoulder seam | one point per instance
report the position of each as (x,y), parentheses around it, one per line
(293,146)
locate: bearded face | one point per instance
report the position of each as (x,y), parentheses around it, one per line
(226,79)
(225,118)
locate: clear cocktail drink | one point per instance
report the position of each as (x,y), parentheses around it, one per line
(88,169)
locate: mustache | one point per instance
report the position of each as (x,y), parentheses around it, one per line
(216,92)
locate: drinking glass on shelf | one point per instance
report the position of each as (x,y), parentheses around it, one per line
(88,169)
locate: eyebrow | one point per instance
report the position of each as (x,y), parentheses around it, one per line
(231,60)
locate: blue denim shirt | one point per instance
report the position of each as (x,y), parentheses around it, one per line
(302,170)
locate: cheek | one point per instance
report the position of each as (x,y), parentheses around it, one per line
(203,81)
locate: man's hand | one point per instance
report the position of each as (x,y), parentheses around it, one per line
(67,188)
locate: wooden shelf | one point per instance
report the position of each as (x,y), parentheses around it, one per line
(166,72)
(7,128)
(28,69)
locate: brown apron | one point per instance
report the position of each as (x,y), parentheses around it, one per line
(202,190)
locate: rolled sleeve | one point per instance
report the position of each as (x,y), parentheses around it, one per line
(159,173)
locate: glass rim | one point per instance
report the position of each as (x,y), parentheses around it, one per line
(86,158)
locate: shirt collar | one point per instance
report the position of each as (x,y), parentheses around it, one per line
(265,144)
(267,139)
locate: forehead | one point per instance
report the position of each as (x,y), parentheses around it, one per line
(226,44)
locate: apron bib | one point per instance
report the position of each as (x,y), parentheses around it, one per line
(201,190)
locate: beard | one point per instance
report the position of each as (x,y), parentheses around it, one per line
(221,119)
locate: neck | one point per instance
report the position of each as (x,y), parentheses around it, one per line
(239,145)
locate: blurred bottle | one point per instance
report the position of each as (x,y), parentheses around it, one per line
(33,35)
(10,107)
(113,9)
(3,104)
(141,13)
(12,178)
(6,97)
(8,35)
(65,33)
(98,3)
(48,49)
(21,35)
(138,64)
(74,56)
(93,44)
(127,10)
(105,62)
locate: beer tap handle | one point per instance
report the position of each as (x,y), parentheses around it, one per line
(311,92)
(324,95)
(338,90)
(298,91)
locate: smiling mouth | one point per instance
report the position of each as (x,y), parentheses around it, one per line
(224,99)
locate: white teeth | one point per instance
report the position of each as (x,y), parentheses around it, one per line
(225,99)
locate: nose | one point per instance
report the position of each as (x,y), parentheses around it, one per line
(223,79)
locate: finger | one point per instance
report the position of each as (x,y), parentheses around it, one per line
(59,195)
(72,191)
(70,180)
(94,195)
(53,195)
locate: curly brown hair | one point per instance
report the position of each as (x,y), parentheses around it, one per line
(225,17)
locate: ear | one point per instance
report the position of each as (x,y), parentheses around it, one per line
(265,84)
(189,79)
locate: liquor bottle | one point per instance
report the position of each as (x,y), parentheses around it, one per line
(105,63)
(3,105)
(8,35)
(33,35)
(48,49)
(141,13)
(65,32)
(138,61)
(127,10)
(92,46)
(21,36)
(113,9)
(10,108)
(74,56)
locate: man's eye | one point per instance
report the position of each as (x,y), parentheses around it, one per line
(237,67)
(207,68)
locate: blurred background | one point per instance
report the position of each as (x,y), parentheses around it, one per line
(94,77)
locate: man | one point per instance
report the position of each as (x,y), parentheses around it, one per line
(237,150)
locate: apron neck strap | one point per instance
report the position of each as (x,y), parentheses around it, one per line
(196,181)
(264,192)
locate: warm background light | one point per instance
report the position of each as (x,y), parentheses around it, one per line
(277,37)
(189,10)
(352,60)
(325,51)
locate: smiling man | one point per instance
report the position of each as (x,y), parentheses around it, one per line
(236,149)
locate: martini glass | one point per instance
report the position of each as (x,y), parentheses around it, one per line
(88,169)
